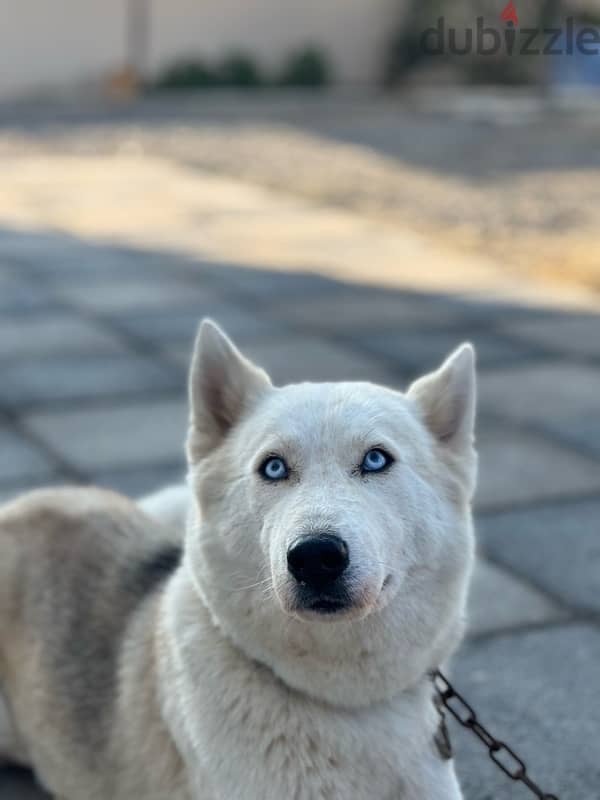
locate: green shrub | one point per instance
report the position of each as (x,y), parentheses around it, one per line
(188,74)
(307,67)
(240,70)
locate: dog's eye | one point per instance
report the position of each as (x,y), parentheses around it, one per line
(375,460)
(274,469)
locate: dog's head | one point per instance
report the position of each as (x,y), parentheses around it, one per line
(332,536)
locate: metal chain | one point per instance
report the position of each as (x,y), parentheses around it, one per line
(500,753)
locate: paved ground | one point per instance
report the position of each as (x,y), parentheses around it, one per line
(94,344)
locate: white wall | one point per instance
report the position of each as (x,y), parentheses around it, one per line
(57,42)
(54,43)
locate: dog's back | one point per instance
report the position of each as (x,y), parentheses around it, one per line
(78,567)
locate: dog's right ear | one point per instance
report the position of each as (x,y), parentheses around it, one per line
(223,385)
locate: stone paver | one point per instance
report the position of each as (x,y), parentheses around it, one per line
(161,327)
(550,393)
(149,292)
(421,350)
(58,333)
(539,692)
(498,602)
(79,378)
(574,335)
(556,547)
(20,460)
(520,466)
(559,397)
(298,358)
(138,481)
(264,285)
(367,310)
(20,296)
(119,436)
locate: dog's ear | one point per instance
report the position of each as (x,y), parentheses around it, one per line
(446,399)
(223,384)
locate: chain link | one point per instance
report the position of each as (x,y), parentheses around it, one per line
(501,754)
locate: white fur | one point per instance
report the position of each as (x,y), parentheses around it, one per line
(264,700)
(170,505)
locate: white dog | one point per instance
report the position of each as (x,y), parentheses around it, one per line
(288,653)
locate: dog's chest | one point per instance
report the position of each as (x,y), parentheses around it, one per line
(298,752)
(276,744)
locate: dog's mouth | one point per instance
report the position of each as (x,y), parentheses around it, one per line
(339,604)
(307,602)
(342,601)
(328,605)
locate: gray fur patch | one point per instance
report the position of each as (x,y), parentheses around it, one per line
(100,572)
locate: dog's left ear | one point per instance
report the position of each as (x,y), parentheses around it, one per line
(223,385)
(446,399)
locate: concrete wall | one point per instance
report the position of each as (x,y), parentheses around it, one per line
(54,43)
(57,42)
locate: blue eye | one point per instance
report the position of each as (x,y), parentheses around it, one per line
(376,460)
(274,469)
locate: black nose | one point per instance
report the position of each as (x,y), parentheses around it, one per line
(318,560)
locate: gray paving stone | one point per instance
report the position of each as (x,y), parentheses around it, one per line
(8,271)
(120,436)
(353,311)
(21,460)
(56,333)
(35,381)
(94,266)
(420,351)
(582,432)
(539,693)
(143,293)
(291,359)
(556,547)
(180,325)
(20,244)
(60,257)
(498,601)
(266,284)
(550,392)
(517,466)
(141,481)
(574,335)
(478,308)
(17,295)
(357,308)
(55,254)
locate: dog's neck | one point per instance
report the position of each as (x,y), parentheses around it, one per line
(346,664)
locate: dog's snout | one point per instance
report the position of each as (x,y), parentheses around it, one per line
(318,560)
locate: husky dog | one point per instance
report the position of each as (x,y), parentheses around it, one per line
(283,646)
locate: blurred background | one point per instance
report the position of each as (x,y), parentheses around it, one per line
(351,189)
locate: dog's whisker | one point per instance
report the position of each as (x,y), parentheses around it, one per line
(255,585)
